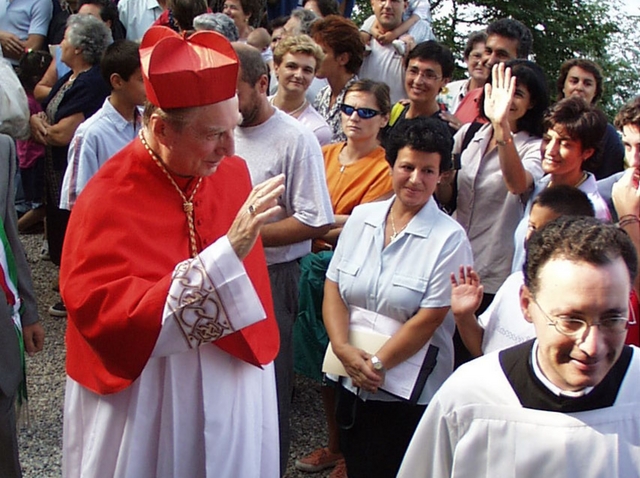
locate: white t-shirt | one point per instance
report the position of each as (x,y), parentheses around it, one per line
(385,64)
(503,322)
(282,145)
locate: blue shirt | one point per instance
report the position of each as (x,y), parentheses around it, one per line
(138,16)
(95,141)
(25,17)
(411,273)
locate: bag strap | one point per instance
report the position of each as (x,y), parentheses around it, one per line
(396,112)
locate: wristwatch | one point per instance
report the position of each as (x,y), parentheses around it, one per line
(377,364)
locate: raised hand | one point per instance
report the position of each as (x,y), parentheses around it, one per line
(499,94)
(466,292)
(626,195)
(260,206)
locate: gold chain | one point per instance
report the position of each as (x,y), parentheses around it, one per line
(187,204)
(393,228)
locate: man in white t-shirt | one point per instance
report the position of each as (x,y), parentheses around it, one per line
(272,143)
(384,63)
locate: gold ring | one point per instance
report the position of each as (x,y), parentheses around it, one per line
(252,210)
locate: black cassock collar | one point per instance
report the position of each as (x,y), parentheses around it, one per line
(532,393)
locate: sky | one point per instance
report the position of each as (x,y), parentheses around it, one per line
(632,6)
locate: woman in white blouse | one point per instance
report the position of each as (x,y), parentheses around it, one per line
(392,267)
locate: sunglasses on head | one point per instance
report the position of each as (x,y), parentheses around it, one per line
(364,113)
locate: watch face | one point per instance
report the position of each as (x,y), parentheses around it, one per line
(375,361)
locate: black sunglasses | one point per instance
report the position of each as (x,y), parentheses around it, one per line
(364,113)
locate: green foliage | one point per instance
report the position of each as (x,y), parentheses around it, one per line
(361,12)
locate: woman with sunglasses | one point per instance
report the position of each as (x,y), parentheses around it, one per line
(390,274)
(357,173)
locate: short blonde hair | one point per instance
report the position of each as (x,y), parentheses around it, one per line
(298,44)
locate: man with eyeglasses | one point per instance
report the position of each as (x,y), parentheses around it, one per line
(563,404)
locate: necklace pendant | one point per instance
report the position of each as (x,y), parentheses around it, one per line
(188,206)
(393,236)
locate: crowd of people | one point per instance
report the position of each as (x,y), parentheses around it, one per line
(236,191)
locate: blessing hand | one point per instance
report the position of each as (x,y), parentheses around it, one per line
(260,206)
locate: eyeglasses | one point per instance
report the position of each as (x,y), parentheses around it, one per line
(575,328)
(364,113)
(428,75)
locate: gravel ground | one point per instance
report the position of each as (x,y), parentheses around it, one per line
(41,441)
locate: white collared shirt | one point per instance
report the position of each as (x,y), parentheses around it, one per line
(411,273)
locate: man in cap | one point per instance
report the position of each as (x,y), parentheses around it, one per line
(171,334)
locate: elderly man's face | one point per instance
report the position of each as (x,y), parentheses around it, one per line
(578,290)
(388,12)
(198,148)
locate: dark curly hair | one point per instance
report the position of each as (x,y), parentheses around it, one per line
(575,238)
(629,114)
(424,134)
(515,30)
(580,120)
